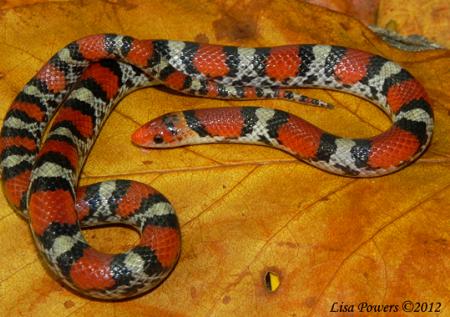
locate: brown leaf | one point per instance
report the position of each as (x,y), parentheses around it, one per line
(364,10)
(430,18)
(244,210)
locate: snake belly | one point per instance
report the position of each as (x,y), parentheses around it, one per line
(32,175)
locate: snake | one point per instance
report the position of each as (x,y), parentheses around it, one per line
(71,96)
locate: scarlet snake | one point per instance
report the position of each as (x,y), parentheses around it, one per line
(90,75)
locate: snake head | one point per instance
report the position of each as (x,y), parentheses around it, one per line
(169,130)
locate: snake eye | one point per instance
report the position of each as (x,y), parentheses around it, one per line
(158,139)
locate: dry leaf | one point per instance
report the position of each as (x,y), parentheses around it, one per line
(244,210)
(430,18)
(364,10)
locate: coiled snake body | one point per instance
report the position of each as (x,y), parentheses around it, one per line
(91,74)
